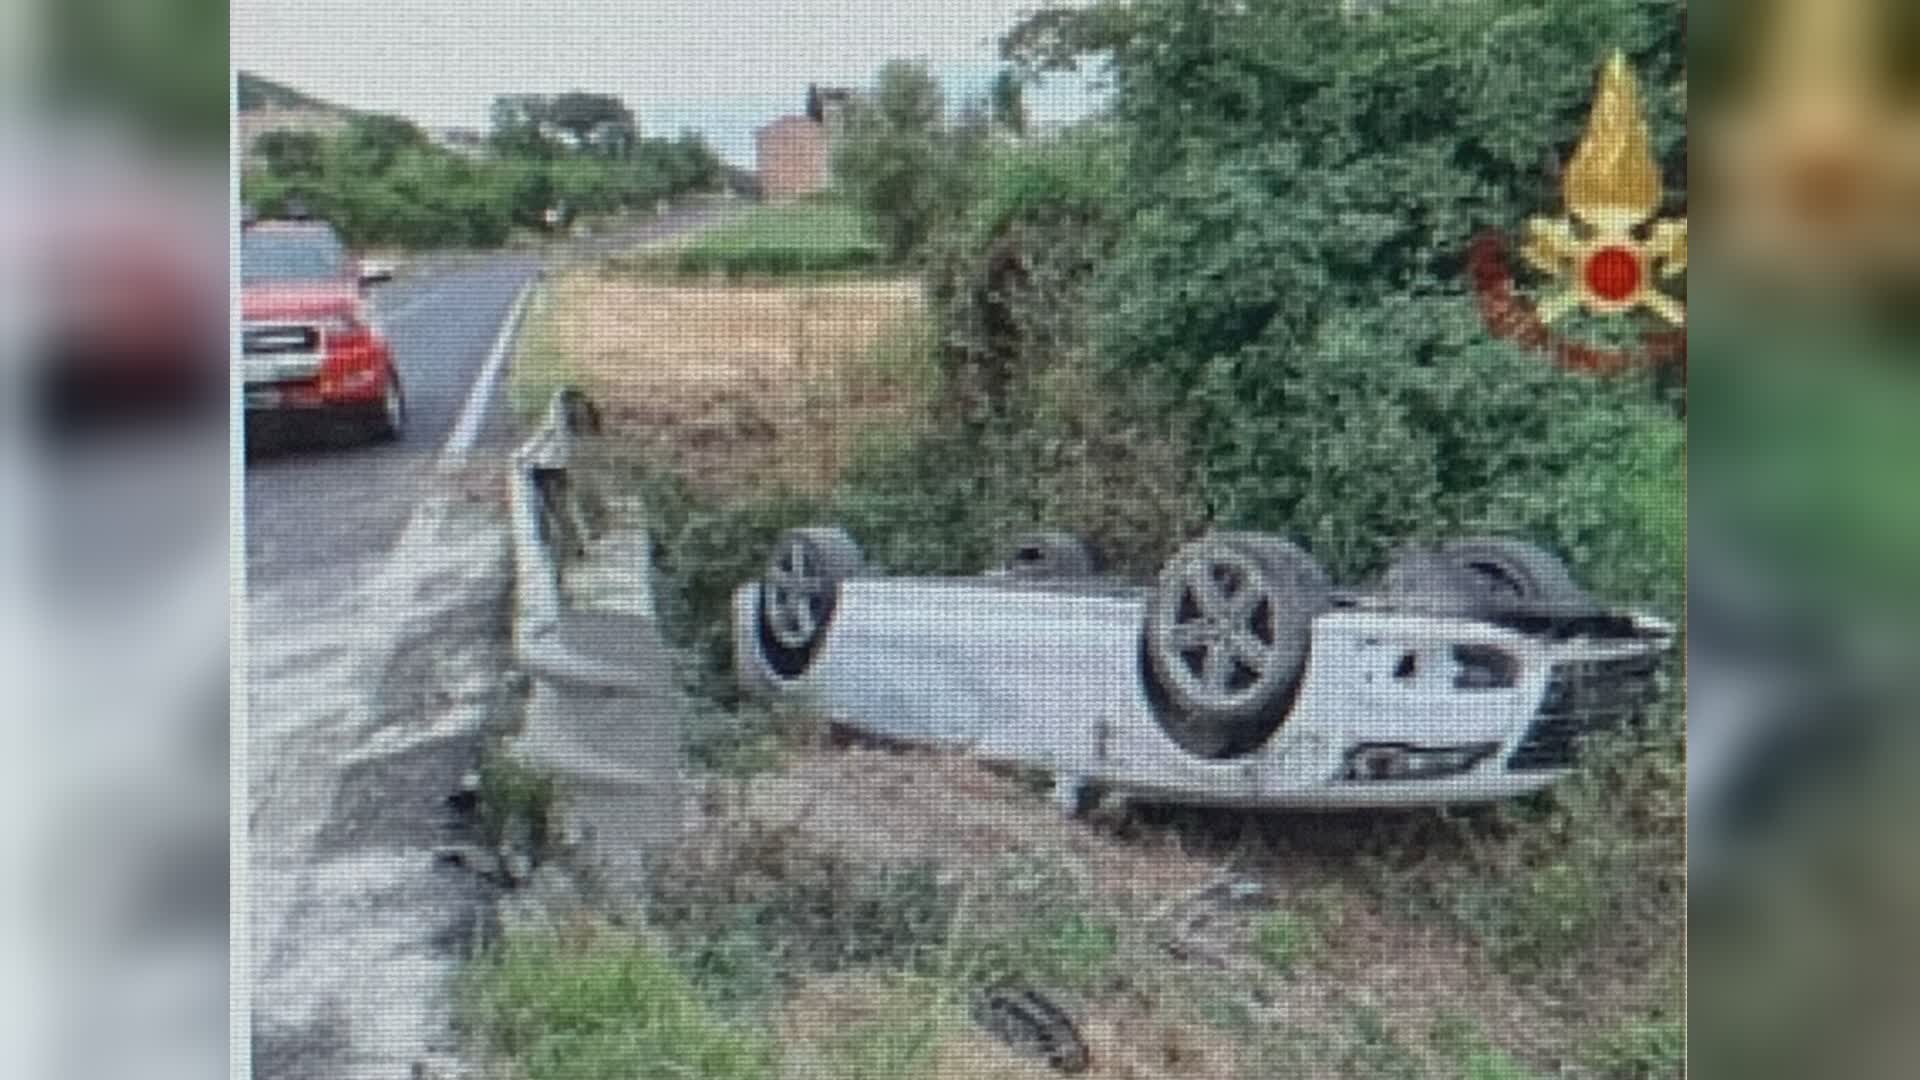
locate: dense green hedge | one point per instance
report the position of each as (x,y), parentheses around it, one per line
(1304,187)
(382,183)
(1258,257)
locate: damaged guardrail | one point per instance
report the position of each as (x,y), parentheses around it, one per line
(603,711)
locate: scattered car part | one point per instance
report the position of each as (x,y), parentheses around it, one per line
(1033,1026)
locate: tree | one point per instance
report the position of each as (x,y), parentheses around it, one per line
(582,115)
(378,139)
(291,153)
(1059,38)
(1008,99)
(893,156)
(694,165)
(517,123)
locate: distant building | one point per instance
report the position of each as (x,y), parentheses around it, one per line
(793,155)
(828,104)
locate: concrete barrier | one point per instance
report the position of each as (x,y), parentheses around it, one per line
(604,712)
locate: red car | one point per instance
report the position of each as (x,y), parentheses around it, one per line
(306,345)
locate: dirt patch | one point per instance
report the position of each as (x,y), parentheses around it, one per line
(1221,963)
(743,388)
(948,809)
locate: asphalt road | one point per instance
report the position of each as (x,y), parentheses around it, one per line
(315,506)
(376,607)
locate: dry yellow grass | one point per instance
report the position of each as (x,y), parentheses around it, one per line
(858,1024)
(743,387)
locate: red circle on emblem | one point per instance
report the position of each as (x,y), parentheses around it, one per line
(1613,274)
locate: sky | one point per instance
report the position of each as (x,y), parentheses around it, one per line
(720,66)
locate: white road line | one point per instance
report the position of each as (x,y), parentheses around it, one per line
(467,429)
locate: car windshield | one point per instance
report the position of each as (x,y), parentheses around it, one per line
(305,255)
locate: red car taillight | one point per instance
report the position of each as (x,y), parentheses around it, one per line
(354,359)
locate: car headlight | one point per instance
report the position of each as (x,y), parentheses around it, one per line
(1484,667)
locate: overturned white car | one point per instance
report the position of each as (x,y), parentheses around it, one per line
(1242,677)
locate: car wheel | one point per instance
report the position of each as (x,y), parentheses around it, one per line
(1515,573)
(1488,576)
(1051,553)
(799,593)
(1227,632)
(392,420)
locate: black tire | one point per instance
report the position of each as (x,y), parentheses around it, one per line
(1033,1026)
(799,592)
(1227,632)
(388,420)
(1513,575)
(1487,577)
(1051,553)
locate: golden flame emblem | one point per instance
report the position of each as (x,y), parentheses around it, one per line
(1608,249)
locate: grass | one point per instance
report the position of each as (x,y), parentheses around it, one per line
(1459,1042)
(1651,1049)
(753,908)
(776,241)
(516,802)
(602,1006)
(542,361)
(900,1042)
(739,390)
(1283,941)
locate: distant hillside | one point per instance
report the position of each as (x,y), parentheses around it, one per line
(258,92)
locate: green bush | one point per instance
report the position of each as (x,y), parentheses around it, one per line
(382,183)
(1291,282)
(1008,281)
